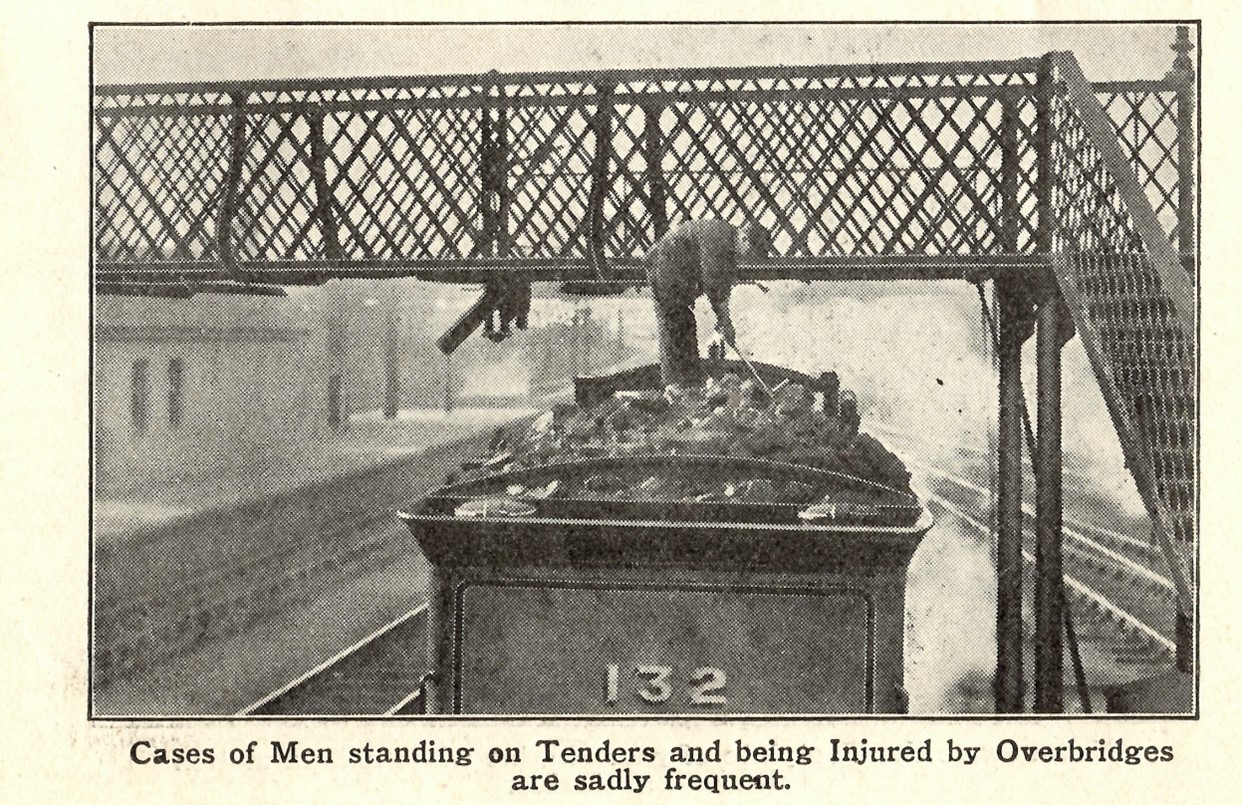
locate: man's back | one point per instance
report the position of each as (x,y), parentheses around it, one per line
(693,257)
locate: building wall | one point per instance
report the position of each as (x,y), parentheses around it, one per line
(256,371)
(252,377)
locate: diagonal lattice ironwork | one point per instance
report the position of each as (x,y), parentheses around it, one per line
(367,178)
(1145,115)
(547,177)
(933,166)
(157,183)
(855,169)
(405,182)
(274,217)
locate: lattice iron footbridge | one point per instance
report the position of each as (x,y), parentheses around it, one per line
(1076,199)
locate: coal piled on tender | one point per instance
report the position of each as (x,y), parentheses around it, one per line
(727,416)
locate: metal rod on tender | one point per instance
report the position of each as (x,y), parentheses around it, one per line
(750,366)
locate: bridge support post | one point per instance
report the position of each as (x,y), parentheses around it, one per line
(1014,324)
(1052,318)
(601,128)
(653,151)
(392,355)
(1052,323)
(226,244)
(1182,74)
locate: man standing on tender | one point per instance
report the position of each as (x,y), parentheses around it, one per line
(693,258)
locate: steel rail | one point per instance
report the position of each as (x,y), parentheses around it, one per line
(400,706)
(902,433)
(1107,533)
(1069,529)
(1082,589)
(327,664)
(1117,536)
(1075,585)
(176,621)
(333,529)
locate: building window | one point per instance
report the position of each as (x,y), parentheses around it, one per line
(335,402)
(139,391)
(176,391)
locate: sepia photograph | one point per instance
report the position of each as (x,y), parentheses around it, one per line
(624,370)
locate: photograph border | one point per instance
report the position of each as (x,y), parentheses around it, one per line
(1196,25)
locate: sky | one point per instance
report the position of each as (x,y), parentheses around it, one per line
(198,53)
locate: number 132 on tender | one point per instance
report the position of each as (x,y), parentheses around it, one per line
(657,684)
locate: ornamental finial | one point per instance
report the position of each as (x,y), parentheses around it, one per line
(1183,68)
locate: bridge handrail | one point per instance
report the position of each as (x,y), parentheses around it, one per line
(498,79)
(1174,279)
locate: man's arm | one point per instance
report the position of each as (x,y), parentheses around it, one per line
(724,322)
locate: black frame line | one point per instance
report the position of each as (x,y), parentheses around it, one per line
(1196,24)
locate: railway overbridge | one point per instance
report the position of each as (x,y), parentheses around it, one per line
(1077,200)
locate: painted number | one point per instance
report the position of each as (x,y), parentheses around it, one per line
(610,689)
(657,689)
(703,681)
(654,685)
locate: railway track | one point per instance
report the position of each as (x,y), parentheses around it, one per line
(152,627)
(382,674)
(1118,591)
(238,565)
(1148,640)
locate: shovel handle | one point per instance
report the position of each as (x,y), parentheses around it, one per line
(751,367)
